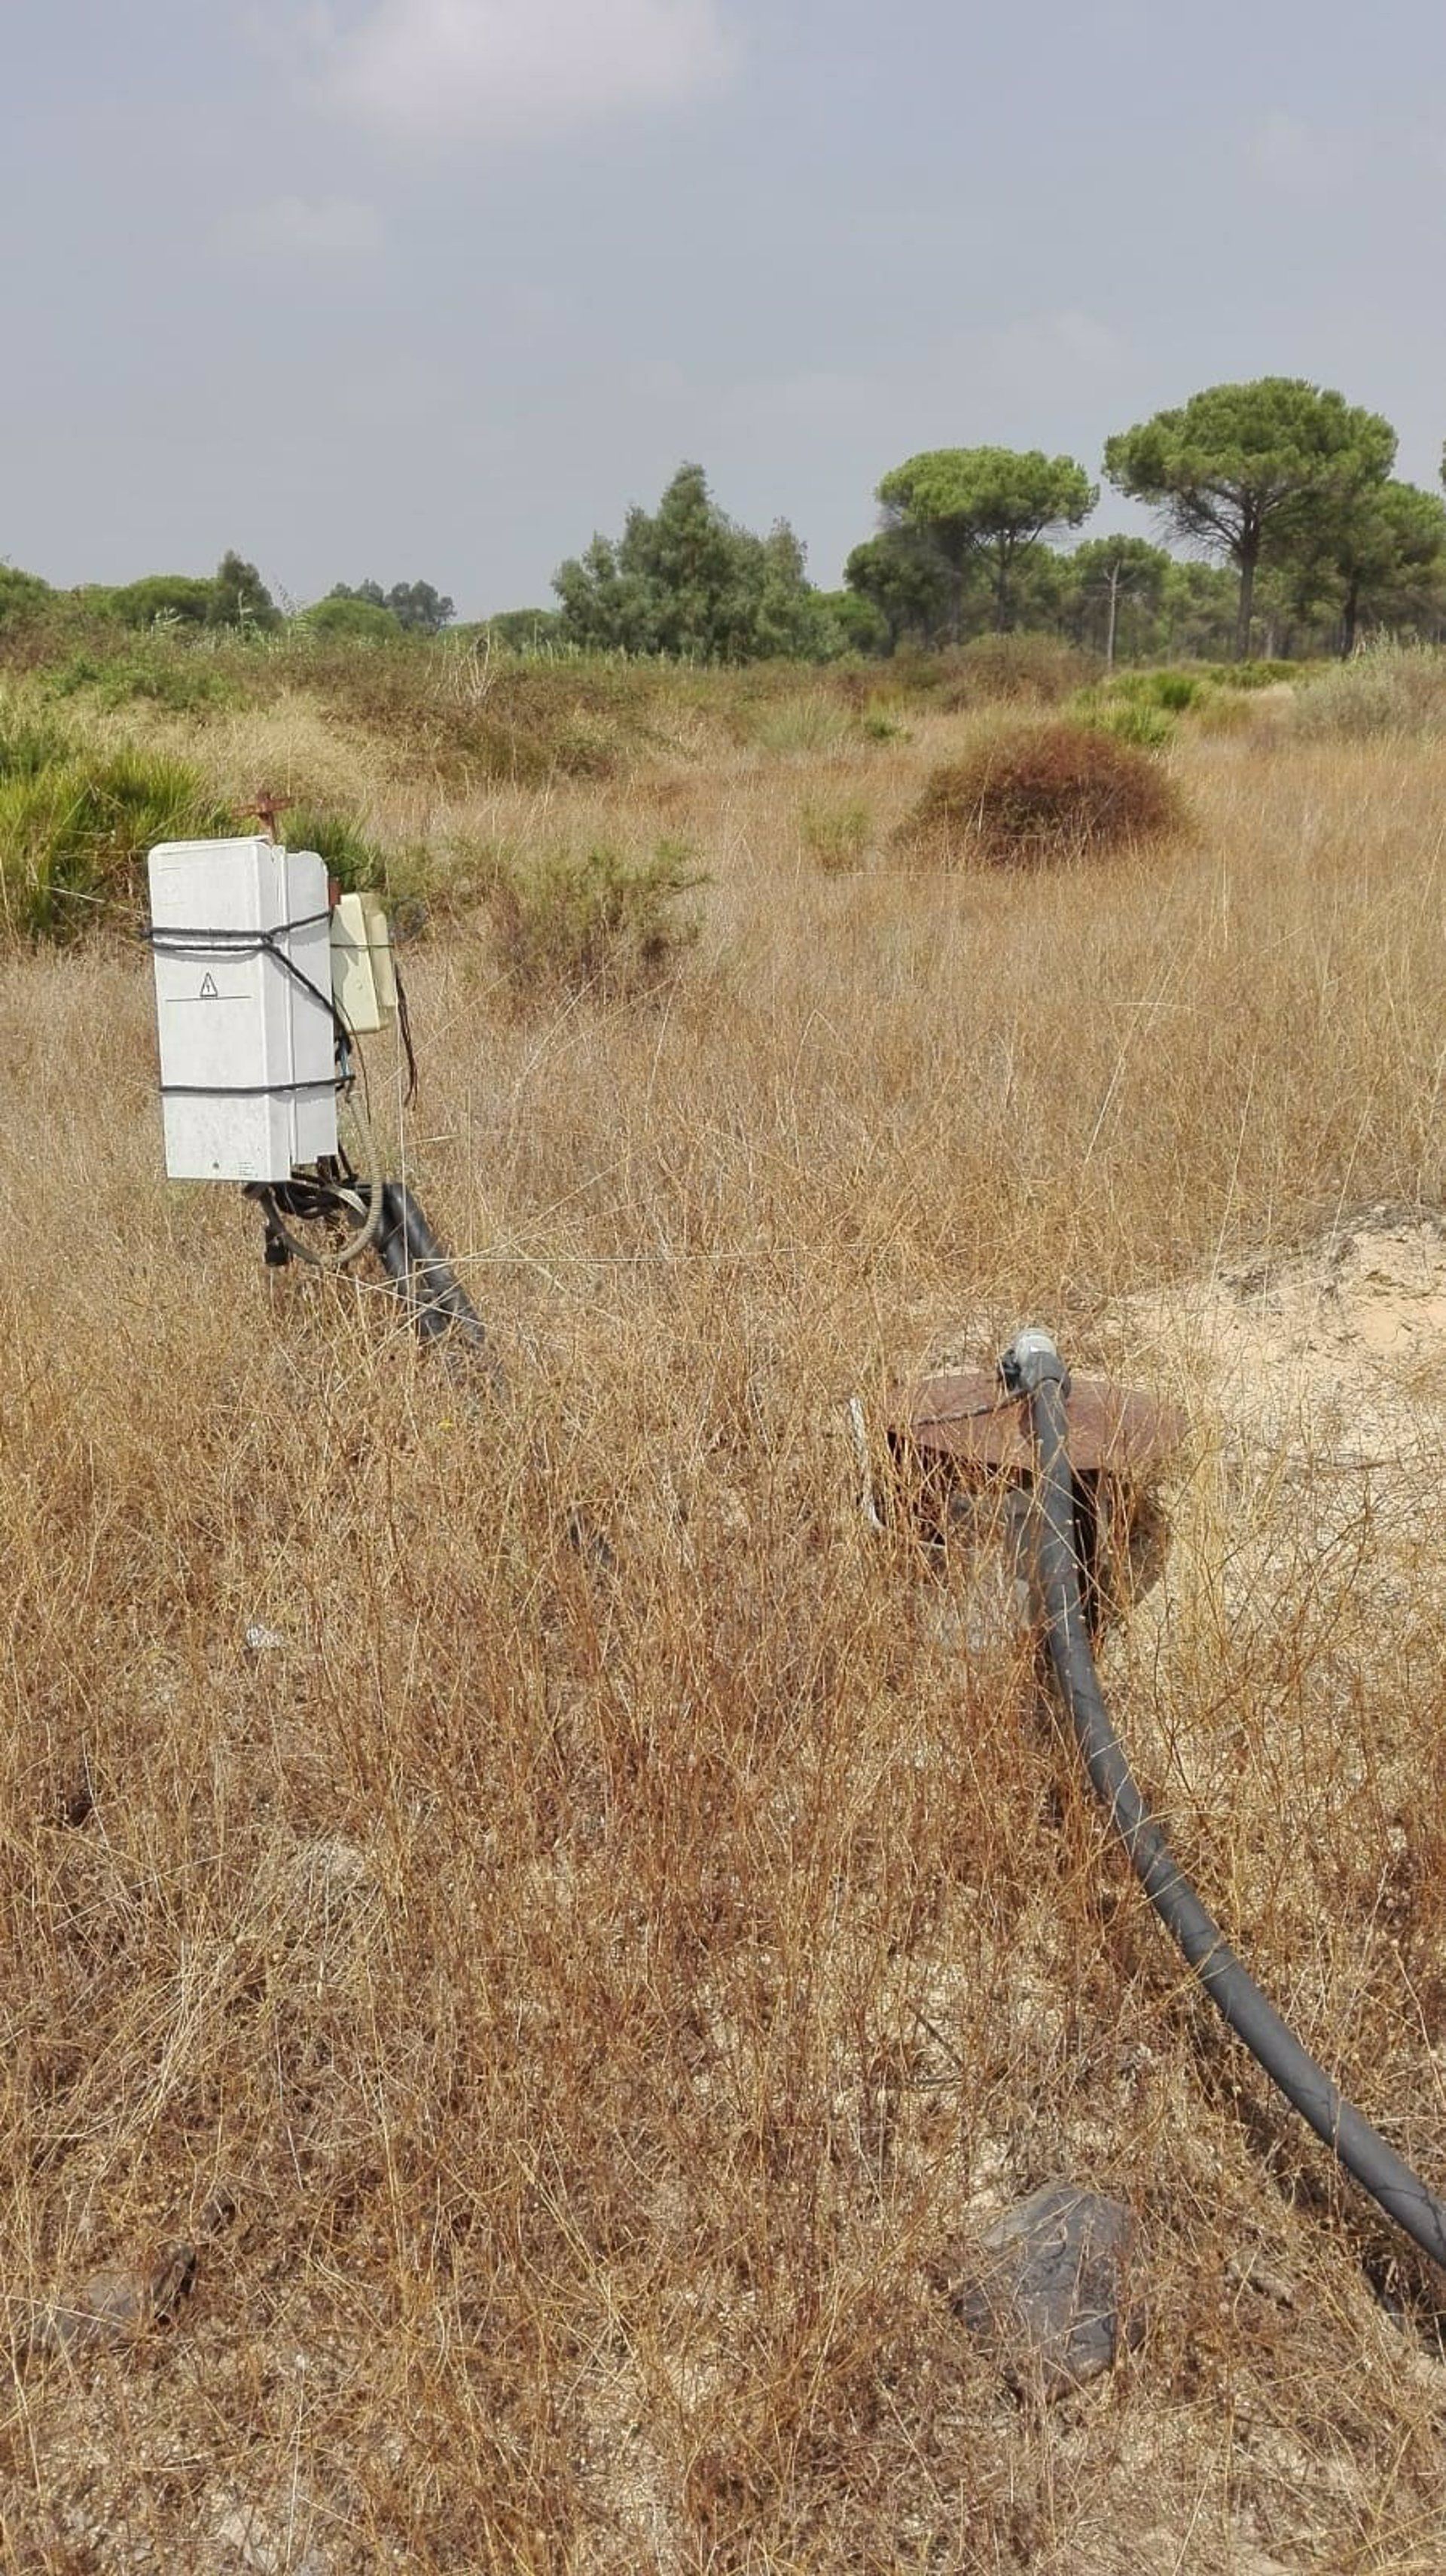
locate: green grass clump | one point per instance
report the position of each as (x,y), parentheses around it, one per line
(837,836)
(1132,718)
(814,720)
(29,743)
(881,724)
(358,863)
(1252,675)
(75,830)
(599,923)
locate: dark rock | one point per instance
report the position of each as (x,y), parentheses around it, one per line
(1047,2294)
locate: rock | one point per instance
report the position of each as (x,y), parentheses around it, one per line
(250,2541)
(105,2313)
(1047,2296)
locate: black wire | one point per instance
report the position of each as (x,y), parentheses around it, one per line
(166,941)
(404,1030)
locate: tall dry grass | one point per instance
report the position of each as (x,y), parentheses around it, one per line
(605,1985)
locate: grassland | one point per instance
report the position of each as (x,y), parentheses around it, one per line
(580,2001)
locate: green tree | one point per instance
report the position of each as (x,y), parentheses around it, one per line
(906,582)
(345,613)
(420,607)
(1197,612)
(239,596)
(686,581)
(1108,574)
(522,630)
(1241,469)
(861,627)
(985,504)
(173,598)
(1388,552)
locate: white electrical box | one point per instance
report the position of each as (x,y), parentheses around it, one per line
(241,936)
(363,978)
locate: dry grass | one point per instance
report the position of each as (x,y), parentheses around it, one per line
(607,1995)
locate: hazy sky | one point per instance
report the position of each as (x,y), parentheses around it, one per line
(434,288)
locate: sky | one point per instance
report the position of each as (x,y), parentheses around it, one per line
(434,289)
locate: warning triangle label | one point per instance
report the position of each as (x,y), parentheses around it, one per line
(208,989)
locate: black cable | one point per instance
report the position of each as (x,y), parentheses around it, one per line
(1034,1370)
(404,1026)
(199,945)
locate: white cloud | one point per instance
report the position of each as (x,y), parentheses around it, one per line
(302,228)
(437,71)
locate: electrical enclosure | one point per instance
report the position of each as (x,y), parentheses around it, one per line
(240,933)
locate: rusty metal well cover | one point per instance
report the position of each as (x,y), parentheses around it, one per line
(968,1417)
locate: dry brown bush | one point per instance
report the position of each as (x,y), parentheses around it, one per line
(1028,670)
(1044,792)
(608,1992)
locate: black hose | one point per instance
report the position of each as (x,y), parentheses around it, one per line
(1033,1369)
(420,1272)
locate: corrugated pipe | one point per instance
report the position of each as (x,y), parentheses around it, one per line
(420,1272)
(1033,1368)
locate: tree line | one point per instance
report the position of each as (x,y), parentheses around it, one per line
(1281,491)
(236,598)
(1278,496)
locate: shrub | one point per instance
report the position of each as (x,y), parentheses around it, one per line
(1398,689)
(1025,670)
(23,596)
(164,672)
(812,721)
(1050,791)
(878,724)
(1176,690)
(75,830)
(360,619)
(837,835)
(178,598)
(1129,709)
(1252,675)
(1133,720)
(356,862)
(597,923)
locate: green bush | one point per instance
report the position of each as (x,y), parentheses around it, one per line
(74,833)
(597,923)
(163,672)
(23,596)
(1134,720)
(360,619)
(176,598)
(1253,675)
(1042,793)
(1176,690)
